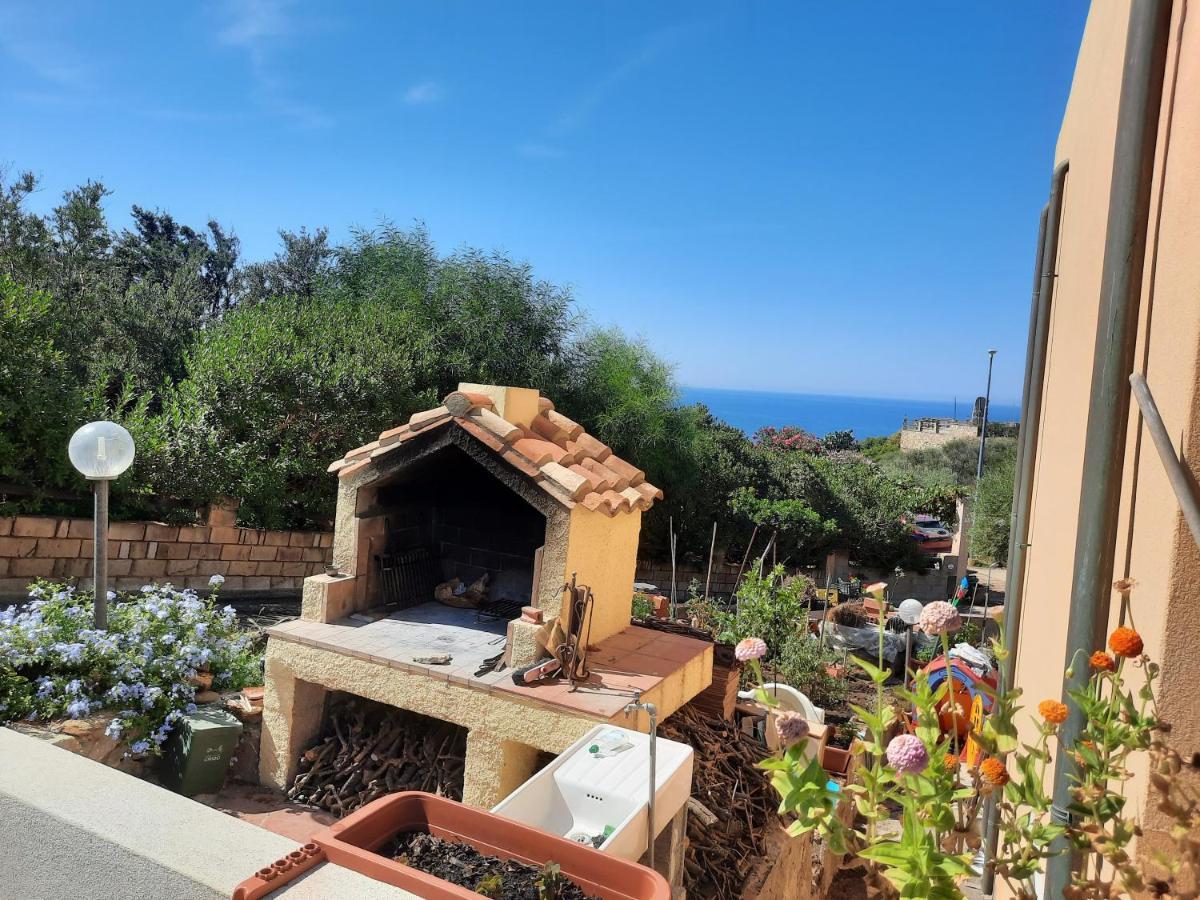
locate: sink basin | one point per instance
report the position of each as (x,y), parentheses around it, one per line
(596,791)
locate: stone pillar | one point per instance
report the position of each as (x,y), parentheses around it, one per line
(327,598)
(494,768)
(293,711)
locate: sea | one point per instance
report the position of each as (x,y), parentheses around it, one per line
(820,414)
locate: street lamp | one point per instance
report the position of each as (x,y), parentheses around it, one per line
(910,614)
(101,451)
(987,402)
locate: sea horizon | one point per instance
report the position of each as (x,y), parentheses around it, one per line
(822,413)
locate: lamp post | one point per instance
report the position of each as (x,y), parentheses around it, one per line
(987,402)
(101,451)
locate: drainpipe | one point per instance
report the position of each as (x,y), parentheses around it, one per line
(1031,415)
(1108,411)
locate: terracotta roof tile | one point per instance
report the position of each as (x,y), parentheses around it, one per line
(459,403)
(648,491)
(635,498)
(633,473)
(594,480)
(574,484)
(353,467)
(497,425)
(595,501)
(554,451)
(611,479)
(616,502)
(359,452)
(481,434)
(519,462)
(543,427)
(429,417)
(592,448)
(394,435)
(569,427)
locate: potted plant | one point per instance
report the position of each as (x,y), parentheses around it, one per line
(836,754)
(396,823)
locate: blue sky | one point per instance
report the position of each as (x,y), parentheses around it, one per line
(828,197)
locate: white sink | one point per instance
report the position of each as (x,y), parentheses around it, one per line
(582,795)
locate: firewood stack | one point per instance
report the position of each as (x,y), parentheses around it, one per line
(370,750)
(732,809)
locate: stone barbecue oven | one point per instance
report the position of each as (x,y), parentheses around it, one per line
(496,485)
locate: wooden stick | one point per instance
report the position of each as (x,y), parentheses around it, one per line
(711,550)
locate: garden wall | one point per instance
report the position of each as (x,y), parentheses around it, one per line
(724,577)
(34,547)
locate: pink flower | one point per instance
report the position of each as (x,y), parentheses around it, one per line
(792,727)
(907,754)
(939,618)
(750,648)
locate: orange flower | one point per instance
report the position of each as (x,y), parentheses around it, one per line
(951,762)
(1102,662)
(1125,642)
(1053,712)
(994,772)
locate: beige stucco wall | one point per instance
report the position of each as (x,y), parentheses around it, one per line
(603,551)
(1152,546)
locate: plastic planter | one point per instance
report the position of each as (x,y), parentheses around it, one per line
(352,843)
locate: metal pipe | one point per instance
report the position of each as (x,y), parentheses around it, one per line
(1108,410)
(652,713)
(1031,414)
(1177,473)
(100,554)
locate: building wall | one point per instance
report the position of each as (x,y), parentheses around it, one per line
(602,551)
(33,547)
(934,433)
(1153,546)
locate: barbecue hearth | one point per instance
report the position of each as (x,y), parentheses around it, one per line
(497,490)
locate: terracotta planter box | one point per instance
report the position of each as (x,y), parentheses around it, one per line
(835,760)
(352,843)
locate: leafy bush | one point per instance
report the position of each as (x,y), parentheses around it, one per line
(53,663)
(989,529)
(774,607)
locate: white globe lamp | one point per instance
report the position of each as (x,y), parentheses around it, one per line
(101,451)
(910,611)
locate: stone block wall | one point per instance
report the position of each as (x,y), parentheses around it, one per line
(724,577)
(250,559)
(925,433)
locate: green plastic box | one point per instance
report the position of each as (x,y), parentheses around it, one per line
(197,752)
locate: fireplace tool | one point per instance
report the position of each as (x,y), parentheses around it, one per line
(572,652)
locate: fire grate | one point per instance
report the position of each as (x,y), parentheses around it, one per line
(499,611)
(407,577)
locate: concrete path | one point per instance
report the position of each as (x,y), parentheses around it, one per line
(74,829)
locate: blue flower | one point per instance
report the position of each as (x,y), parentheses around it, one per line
(77,709)
(114,729)
(140,747)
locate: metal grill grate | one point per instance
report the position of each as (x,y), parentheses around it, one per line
(407,577)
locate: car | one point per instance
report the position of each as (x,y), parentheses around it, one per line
(927,528)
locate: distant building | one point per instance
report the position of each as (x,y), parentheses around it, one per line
(919,434)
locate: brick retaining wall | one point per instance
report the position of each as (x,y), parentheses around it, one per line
(34,547)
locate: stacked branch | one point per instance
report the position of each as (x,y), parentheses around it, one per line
(370,750)
(733,807)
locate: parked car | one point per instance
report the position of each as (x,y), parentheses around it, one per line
(927,528)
